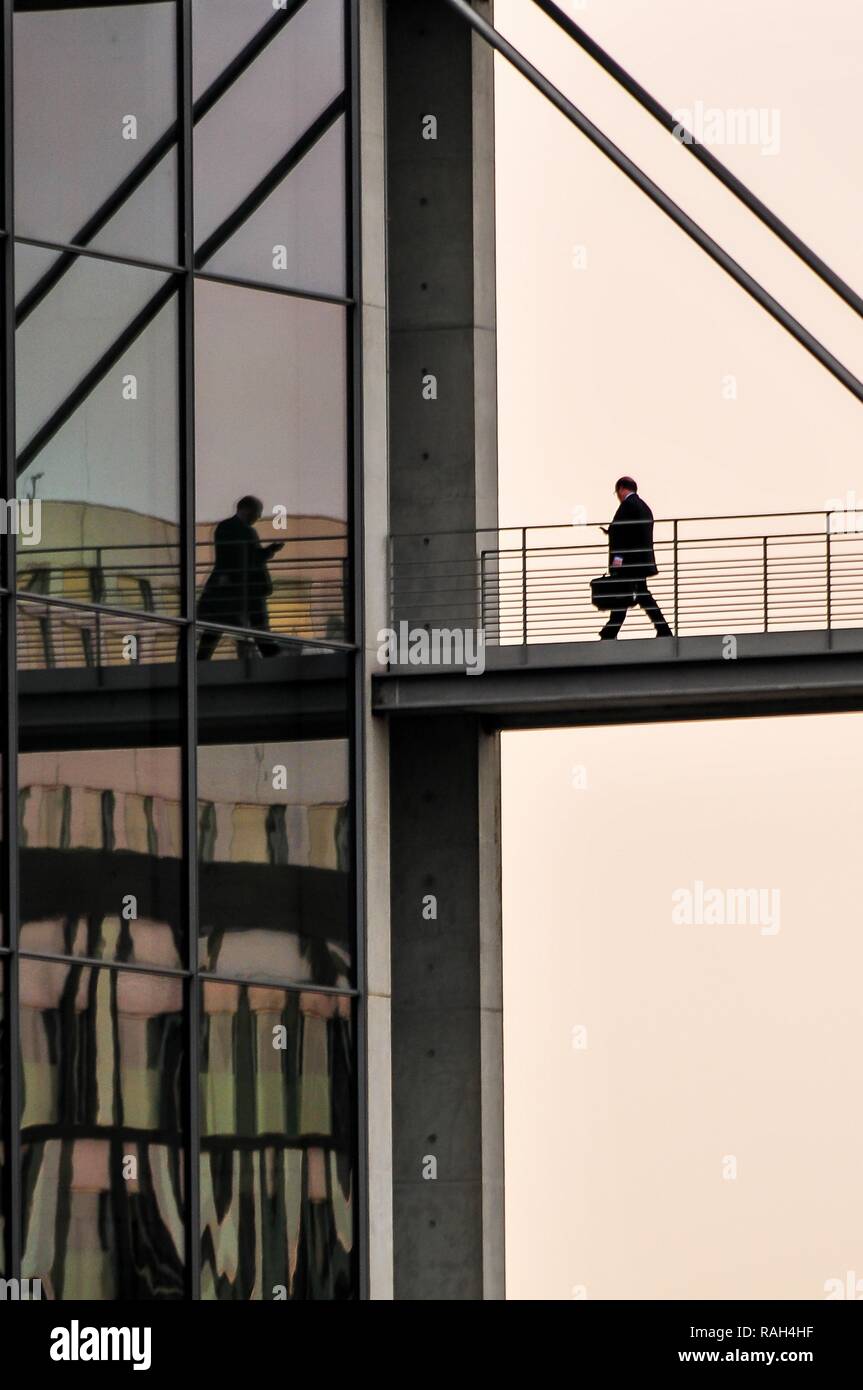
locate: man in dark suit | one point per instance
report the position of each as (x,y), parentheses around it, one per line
(631,558)
(237,589)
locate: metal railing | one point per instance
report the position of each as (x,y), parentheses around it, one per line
(779,572)
(92,597)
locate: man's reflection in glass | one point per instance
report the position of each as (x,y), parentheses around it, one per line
(239,584)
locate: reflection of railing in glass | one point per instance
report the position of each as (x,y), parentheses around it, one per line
(305,598)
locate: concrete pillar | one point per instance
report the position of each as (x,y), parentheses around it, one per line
(446,1020)
(441,278)
(447,1075)
(373,516)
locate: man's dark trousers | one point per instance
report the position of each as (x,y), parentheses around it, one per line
(643,599)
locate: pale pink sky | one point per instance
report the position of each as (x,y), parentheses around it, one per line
(620,366)
(703,1042)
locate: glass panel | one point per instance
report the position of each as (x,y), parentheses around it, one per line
(4,1119)
(99,795)
(271,424)
(274,851)
(297,237)
(97,435)
(274,834)
(277,1161)
(95,122)
(3,877)
(242,153)
(102,1062)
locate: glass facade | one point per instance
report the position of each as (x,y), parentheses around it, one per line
(179,998)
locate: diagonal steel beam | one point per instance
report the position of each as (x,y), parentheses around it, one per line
(656,195)
(702,154)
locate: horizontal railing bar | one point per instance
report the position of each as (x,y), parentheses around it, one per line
(658,521)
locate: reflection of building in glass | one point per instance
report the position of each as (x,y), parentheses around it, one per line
(276,1178)
(102,1131)
(178,1093)
(274,863)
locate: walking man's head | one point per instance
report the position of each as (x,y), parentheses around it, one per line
(624,486)
(250,509)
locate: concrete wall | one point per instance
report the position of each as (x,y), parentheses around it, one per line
(447,1053)
(444,773)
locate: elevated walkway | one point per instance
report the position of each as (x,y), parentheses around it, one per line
(766,611)
(638,681)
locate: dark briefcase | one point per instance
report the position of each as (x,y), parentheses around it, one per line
(606,592)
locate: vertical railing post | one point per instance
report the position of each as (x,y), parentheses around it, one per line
(482,555)
(524,585)
(676,586)
(764,570)
(828,559)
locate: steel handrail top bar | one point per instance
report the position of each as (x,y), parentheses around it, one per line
(700,152)
(666,545)
(658,521)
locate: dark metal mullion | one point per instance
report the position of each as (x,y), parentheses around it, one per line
(74,253)
(125,967)
(208,99)
(292,291)
(702,154)
(37,6)
(101,963)
(354,607)
(259,194)
(34,297)
(10,1122)
(277,982)
(186,367)
(659,198)
(88,254)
